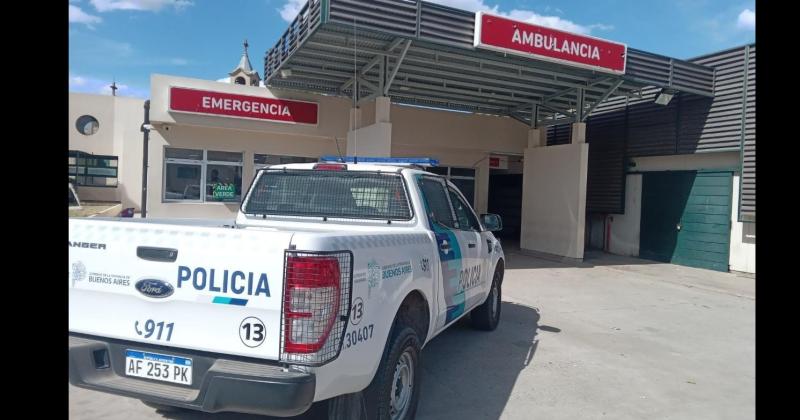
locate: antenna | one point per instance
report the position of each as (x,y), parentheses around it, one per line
(341,158)
(355,94)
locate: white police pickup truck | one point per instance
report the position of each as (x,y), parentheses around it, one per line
(327,285)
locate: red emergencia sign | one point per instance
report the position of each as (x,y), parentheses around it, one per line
(242,106)
(501,34)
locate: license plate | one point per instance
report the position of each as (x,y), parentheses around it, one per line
(160,367)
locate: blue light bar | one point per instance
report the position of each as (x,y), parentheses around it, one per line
(397,161)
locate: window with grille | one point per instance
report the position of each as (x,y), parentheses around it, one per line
(330,194)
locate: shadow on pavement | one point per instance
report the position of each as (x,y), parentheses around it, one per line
(466,373)
(469,374)
(316,412)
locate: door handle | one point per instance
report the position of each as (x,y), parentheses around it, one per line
(471,245)
(157,254)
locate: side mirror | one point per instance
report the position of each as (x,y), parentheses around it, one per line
(492,222)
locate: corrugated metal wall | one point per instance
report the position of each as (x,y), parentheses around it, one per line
(622,128)
(605,185)
(747,193)
(730,119)
(558,134)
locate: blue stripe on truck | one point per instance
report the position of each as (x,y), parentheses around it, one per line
(229,301)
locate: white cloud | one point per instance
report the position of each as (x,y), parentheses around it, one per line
(528,16)
(471,5)
(177,61)
(142,5)
(77,15)
(554,22)
(601,27)
(747,20)
(77,81)
(291,8)
(95,86)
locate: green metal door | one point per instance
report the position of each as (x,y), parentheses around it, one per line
(686,218)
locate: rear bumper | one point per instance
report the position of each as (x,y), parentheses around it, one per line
(218,384)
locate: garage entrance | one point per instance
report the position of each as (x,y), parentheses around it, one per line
(686,218)
(505,194)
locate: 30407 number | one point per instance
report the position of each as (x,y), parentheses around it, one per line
(358,335)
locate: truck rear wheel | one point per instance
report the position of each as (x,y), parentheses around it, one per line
(394,392)
(487,315)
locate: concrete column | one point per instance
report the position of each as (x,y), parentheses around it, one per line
(554,201)
(382,108)
(374,139)
(356,118)
(482,186)
(578,133)
(537,137)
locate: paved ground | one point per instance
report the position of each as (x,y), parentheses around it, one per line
(92,209)
(614,338)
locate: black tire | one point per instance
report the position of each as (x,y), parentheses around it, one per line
(163,407)
(403,342)
(486,316)
(346,407)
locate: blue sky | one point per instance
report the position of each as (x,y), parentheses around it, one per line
(127,40)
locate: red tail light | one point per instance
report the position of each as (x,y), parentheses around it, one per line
(310,302)
(331,167)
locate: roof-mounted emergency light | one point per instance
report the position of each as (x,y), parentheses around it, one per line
(394,161)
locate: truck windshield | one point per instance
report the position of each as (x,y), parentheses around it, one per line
(335,194)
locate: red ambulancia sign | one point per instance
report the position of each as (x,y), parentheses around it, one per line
(506,35)
(242,106)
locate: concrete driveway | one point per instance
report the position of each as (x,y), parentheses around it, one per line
(612,338)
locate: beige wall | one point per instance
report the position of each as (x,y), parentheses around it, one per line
(625,228)
(247,142)
(333,112)
(743,237)
(128,117)
(554,200)
(120,119)
(102,108)
(456,139)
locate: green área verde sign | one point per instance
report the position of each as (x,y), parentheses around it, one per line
(224,191)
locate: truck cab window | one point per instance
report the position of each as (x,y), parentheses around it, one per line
(437,206)
(466,219)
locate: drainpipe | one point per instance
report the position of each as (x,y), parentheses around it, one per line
(146,137)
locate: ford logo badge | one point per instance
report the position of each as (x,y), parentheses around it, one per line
(154,288)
